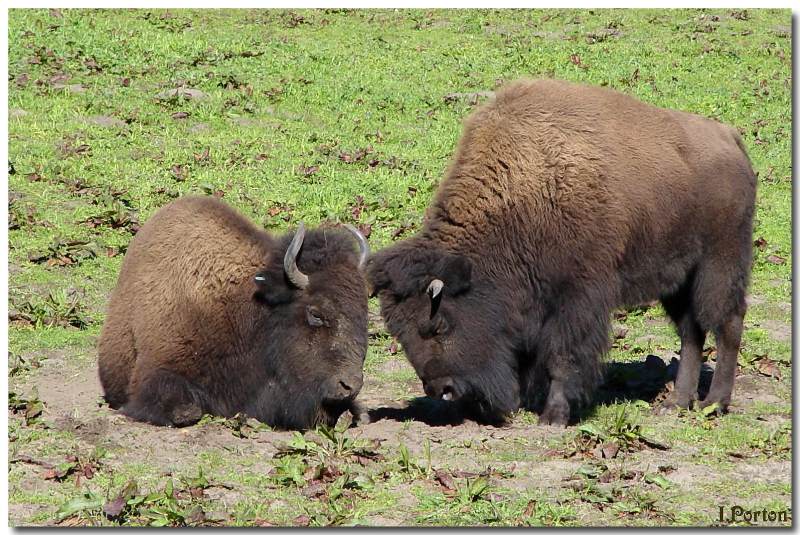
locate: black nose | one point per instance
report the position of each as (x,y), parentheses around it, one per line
(348,387)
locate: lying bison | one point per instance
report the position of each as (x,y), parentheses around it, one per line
(212,315)
(564,202)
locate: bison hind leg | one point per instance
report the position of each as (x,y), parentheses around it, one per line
(713,299)
(680,310)
(116,359)
(166,398)
(729,337)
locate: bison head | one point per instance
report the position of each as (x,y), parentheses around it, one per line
(452,324)
(315,330)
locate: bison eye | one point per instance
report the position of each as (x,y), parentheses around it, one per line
(441,326)
(434,327)
(314,318)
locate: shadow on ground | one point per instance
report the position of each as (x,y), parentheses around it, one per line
(646,380)
(432,412)
(624,381)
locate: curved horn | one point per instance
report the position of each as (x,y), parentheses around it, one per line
(435,292)
(297,277)
(363,245)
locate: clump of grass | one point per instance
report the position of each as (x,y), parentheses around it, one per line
(62,252)
(619,432)
(169,507)
(239,424)
(30,407)
(410,467)
(60,308)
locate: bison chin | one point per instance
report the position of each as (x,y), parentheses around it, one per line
(300,411)
(330,411)
(487,395)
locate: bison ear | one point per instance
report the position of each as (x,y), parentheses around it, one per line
(456,272)
(377,276)
(407,270)
(271,288)
(400,269)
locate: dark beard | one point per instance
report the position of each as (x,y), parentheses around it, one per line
(475,407)
(330,411)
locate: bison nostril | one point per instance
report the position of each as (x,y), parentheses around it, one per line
(349,386)
(448,393)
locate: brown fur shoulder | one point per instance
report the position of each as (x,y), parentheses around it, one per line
(529,155)
(588,164)
(197,248)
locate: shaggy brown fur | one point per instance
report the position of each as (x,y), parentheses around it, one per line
(190,330)
(562,203)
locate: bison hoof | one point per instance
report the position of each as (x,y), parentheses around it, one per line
(721,406)
(361,419)
(184,415)
(359,415)
(674,402)
(555,416)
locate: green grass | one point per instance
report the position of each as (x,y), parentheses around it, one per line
(341,115)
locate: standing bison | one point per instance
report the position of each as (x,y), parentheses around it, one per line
(212,315)
(564,202)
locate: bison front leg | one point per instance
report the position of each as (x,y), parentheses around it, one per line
(557,407)
(163,397)
(573,378)
(571,347)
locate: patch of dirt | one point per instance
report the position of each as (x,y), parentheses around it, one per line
(70,392)
(397,515)
(750,388)
(181,93)
(552,35)
(71,88)
(71,395)
(254,122)
(21,511)
(107,121)
(550,474)
(65,388)
(14,269)
(778,330)
(782,30)
(394,365)
(198,128)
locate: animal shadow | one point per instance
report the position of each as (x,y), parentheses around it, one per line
(624,381)
(646,380)
(433,412)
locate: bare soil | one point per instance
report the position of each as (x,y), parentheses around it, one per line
(72,403)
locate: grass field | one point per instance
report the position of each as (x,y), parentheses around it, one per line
(352,116)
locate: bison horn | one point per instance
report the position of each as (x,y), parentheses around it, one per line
(363,246)
(435,292)
(297,277)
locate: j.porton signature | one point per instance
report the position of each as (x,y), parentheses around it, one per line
(737,513)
